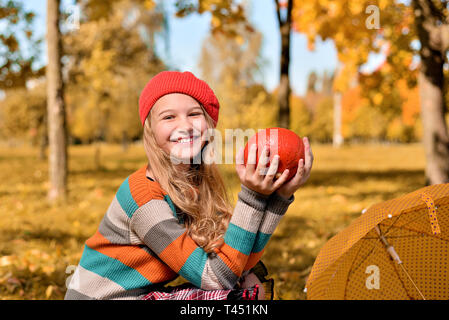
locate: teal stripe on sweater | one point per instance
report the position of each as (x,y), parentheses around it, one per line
(170,204)
(172,207)
(112,269)
(261,241)
(239,238)
(192,270)
(126,200)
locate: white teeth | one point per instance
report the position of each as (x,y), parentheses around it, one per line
(185,140)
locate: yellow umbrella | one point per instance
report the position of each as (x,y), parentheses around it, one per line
(396,249)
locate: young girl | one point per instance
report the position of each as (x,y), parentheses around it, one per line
(173,218)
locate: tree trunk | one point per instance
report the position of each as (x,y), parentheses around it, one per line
(124,141)
(431,90)
(56,107)
(284,85)
(43,143)
(337,139)
(435,135)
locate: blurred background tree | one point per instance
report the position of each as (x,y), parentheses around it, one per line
(106,74)
(229,18)
(394,27)
(230,65)
(19,48)
(24,116)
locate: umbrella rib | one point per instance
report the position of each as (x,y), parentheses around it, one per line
(400,237)
(417,231)
(369,253)
(352,270)
(396,220)
(399,277)
(353,261)
(363,259)
(413,282)
(396,258)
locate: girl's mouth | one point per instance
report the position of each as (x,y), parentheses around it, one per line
(189,140)
(185,141)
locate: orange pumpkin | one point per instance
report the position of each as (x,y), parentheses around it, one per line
(287,144)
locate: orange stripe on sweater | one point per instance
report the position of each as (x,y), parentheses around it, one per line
(132,256)
(254,257)
(233,258)
(177,252)
(142,189)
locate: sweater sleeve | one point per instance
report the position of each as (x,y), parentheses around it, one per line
(276,208)
(156,226)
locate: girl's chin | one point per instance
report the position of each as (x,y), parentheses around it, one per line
(186,156)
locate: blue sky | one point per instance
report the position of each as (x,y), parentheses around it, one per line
(187,35)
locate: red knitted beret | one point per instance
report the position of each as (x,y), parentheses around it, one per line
(167,82)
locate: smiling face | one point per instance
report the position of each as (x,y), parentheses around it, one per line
(179,123)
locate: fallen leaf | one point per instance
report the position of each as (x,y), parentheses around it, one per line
(49,291)
(14,281)
(6,261)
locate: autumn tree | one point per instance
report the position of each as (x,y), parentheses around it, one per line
(284,17)
(432,26)
(317,104)
(16,66)
(231,66)
(106,73)
(356,33)
(24,116)
(228,14)
(23,112)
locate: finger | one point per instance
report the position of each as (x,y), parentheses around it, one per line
(239,163)
(263,161)
(308,155)
(281,180)
(300,171)
(251,162)
(274,165)
(239,157)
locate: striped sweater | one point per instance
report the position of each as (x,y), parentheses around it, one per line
(141,243)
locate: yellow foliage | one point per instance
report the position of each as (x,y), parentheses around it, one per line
(344,23)
(377,98)
(149,4)
(103,98)
(300,118)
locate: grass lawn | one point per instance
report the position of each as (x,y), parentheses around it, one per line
(41,243)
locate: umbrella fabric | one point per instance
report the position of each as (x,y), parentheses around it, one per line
(397,249)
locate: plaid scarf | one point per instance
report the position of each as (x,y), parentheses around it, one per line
(189,292)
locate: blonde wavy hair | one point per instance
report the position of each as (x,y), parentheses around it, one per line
(200,192)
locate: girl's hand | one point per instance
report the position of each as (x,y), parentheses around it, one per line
(260,178)
(250,281)
(303,173)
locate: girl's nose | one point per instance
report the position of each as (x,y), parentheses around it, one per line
(185,124)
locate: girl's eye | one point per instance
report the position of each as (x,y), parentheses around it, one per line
(192,114)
